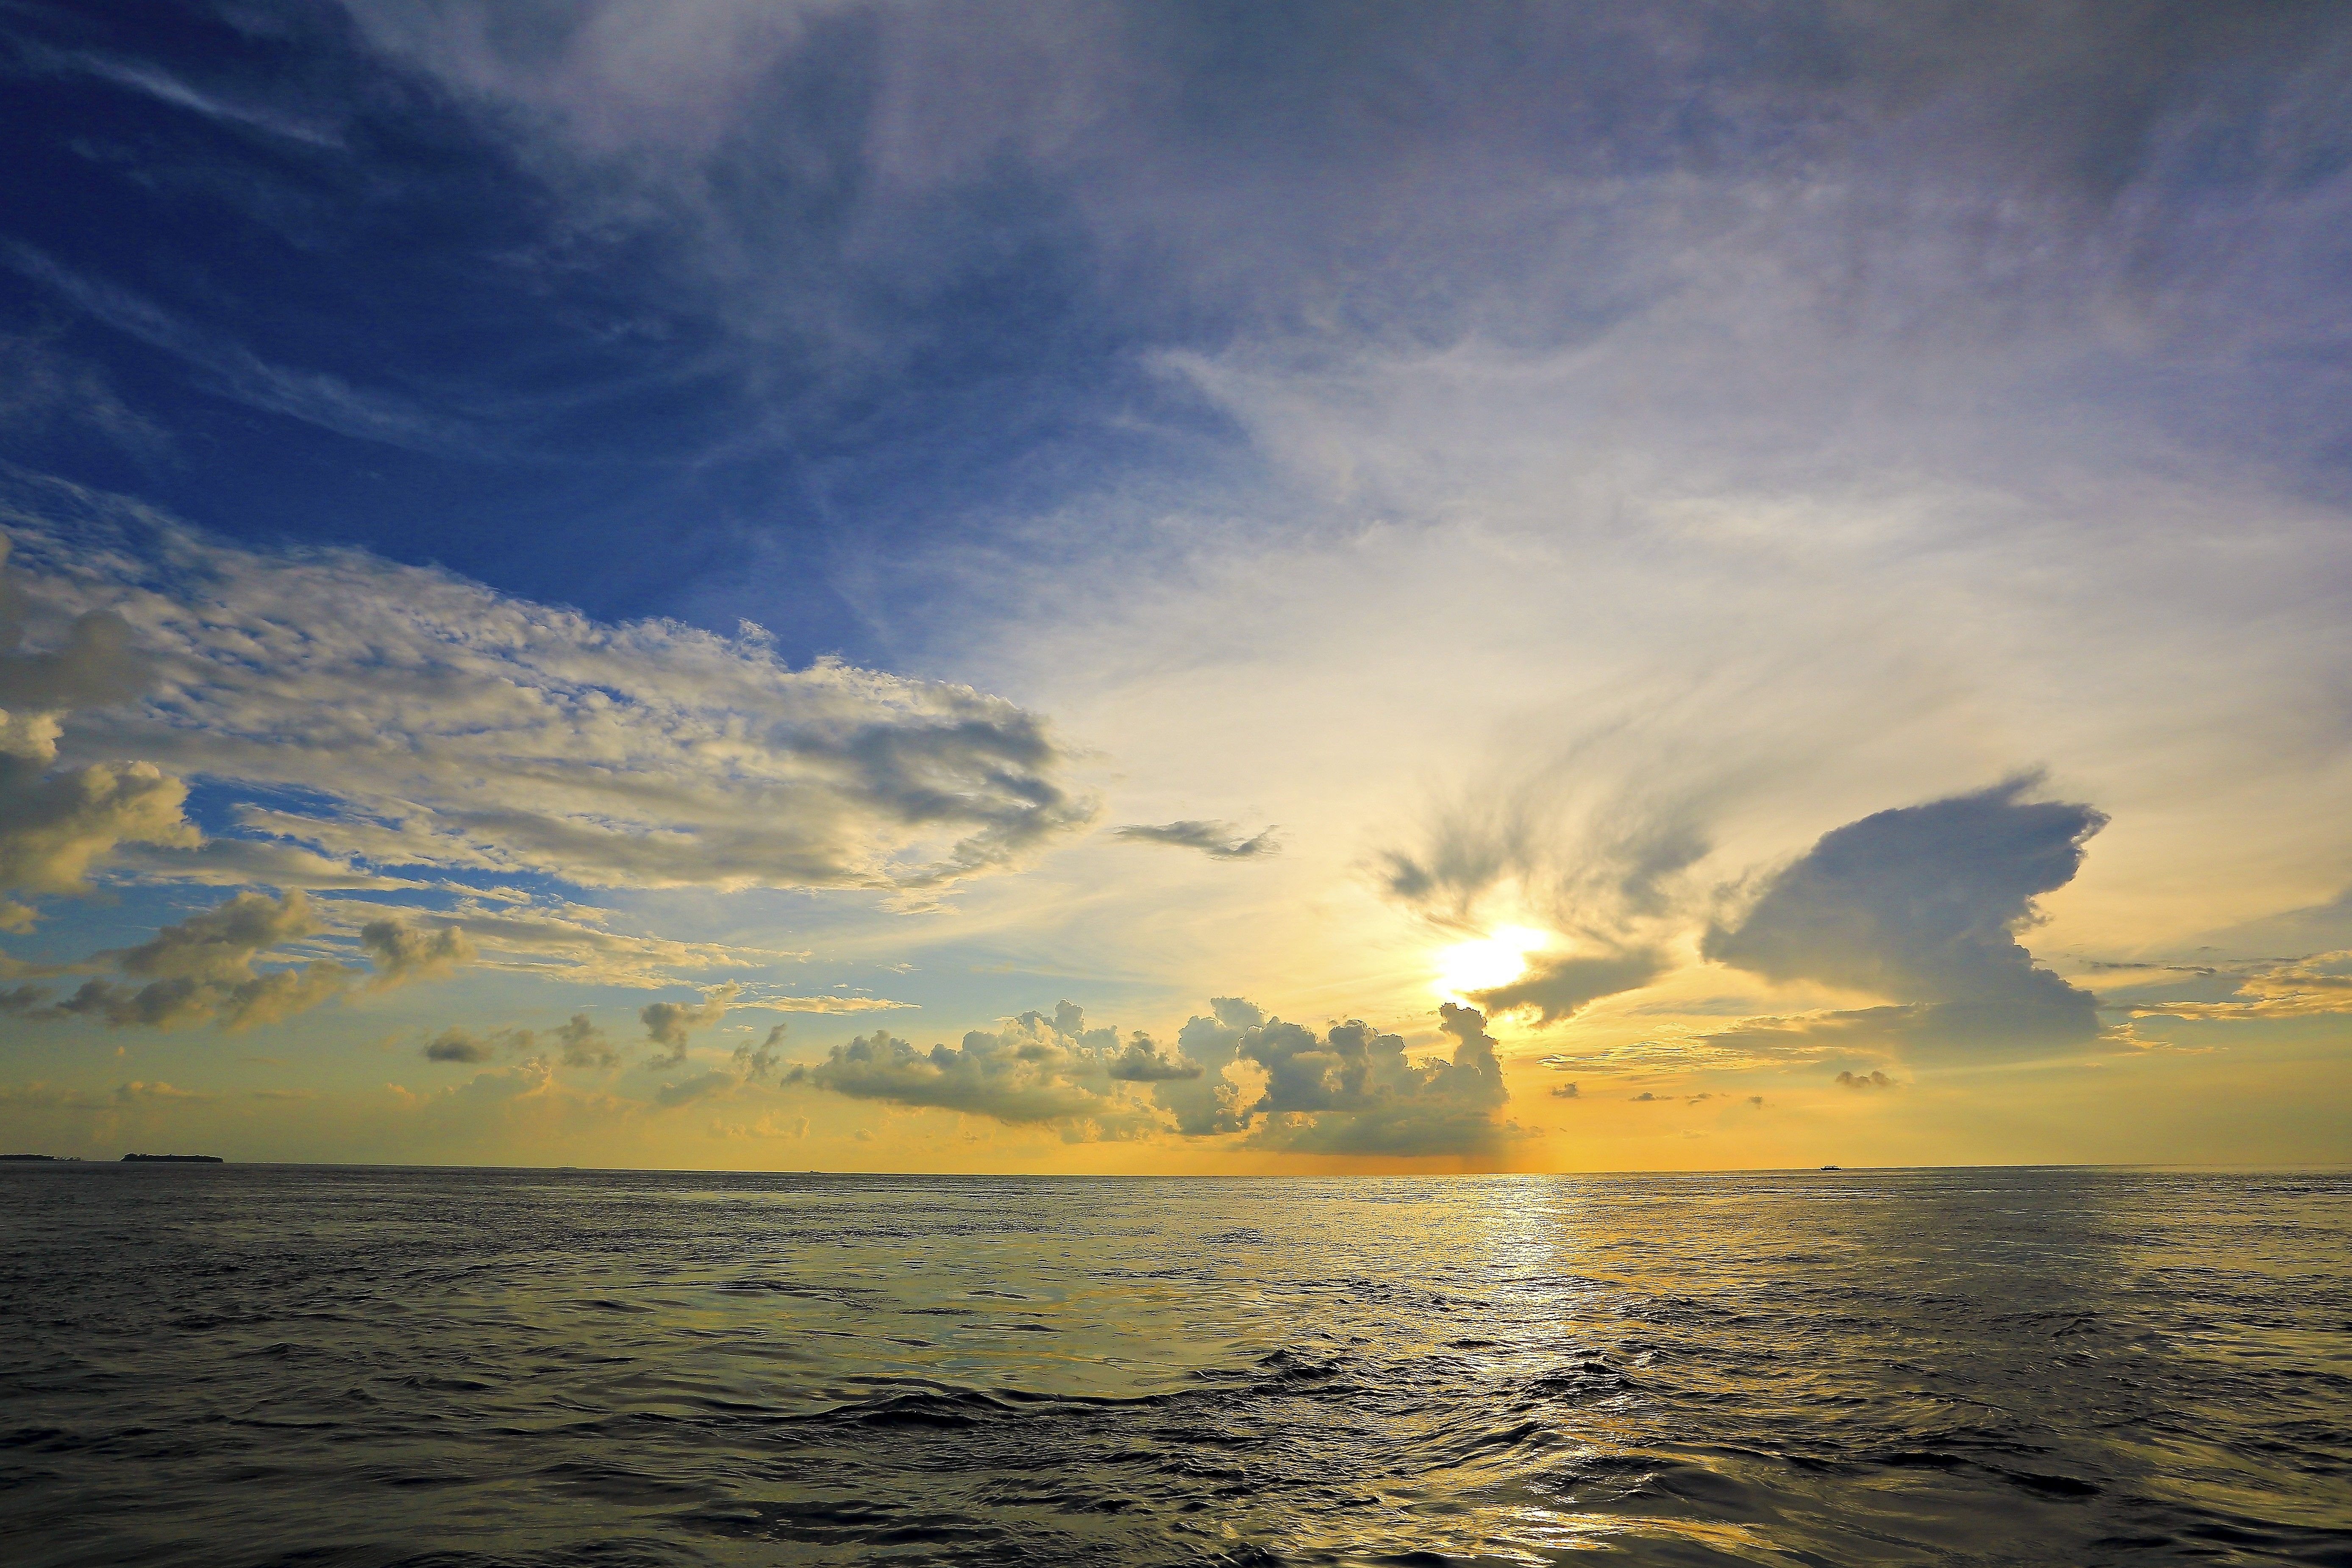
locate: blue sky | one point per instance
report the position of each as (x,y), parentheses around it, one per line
(700,495)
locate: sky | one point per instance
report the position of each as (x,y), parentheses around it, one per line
(1176,587)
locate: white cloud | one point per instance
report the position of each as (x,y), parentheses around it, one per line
(558,941)
(428,721)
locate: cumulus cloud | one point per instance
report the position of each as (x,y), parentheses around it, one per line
(1872,1079)
(581,1045)
(400,952)
(448,725)
(204,969)
(454,1044)
(1921,904)
(1036,1070)
(669,1023)
(1218,840)
(57,824)
(1348,1090)
(756,1064)
(201,970)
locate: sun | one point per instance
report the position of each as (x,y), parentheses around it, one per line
(1484,963)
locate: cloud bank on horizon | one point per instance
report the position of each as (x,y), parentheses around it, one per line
(543,540)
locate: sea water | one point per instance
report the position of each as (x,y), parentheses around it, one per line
(256,1364)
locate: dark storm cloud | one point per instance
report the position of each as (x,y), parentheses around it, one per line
(1218,840)
(1921,904)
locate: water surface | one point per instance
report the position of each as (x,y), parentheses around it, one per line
(281,1365)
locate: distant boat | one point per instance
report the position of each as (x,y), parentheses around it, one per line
(1828,1167)
(172,1160)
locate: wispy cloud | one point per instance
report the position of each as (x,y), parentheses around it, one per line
(1218,840)
(234,371)
(165,87)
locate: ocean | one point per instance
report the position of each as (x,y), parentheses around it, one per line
(258,1364)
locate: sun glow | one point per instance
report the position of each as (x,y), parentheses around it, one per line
(1485,963)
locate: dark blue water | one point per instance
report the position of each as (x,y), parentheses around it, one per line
(255,1364)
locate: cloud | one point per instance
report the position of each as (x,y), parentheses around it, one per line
(1873,1079)
(559,939)
(56,828)
(402,954)
(702,1086)
(221,861)
(756,1064)
(22,998)
(2317,985)
(41,388)
(1036,1070)
(1218,840)
(1558,988)
(220,943)
(167,89)
(667,1022)
(1921,904)
(1564,1091)
(201,970)
(1348,1090)
(583,1045)
(454,1045)
(443,724)
(57,823)
(235,372)
(783,1002)
(1605,865)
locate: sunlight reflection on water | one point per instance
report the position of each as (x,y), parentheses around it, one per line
(267,1364)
